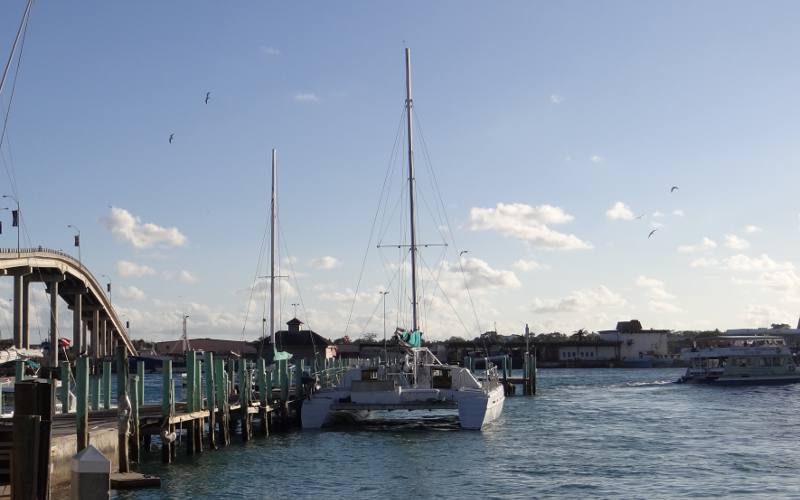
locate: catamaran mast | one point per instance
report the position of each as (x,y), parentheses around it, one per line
(411,194)
(272,219)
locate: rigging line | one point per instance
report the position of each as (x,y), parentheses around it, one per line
(24,27)
(447,299)
(255,282)
(438,192)
(369,242)
(369,319)
(297,286)
(392,159)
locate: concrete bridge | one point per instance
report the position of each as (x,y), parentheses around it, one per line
(96,328)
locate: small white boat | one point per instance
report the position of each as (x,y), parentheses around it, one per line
(737,360)
(422,382)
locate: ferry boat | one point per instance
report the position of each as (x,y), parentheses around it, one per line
(418,380)
(737,360)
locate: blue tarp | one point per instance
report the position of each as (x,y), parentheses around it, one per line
(412,339)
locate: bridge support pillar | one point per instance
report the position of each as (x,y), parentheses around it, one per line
(52,288)
(85,337)
(77,314)
(103,338)
(95,348)
(21,296)
(26,296)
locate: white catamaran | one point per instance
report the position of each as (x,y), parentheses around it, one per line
(420,381)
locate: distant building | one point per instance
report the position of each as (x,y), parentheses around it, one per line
(220,347)
(638,347)
(301,343)
(588,351)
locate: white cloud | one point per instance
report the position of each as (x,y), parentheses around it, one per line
(480,275)
(765,315)
(126,269)
(270,51)
(127,227)
(325,262)
(528,265)
(186,277)
(704,262)
(579,301)
(306,97)
(744,263)
(619,211)
(750,229)
(706,244)
(529,223)
(659,306)
(655,288)
(763,262)
(597,159)
(556,99)
(131,293)
(735,242)
(678,212)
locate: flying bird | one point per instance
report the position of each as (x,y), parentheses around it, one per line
(463,252)
(208,96)
(639,216)
(171,137)
(651,233)
(673,189)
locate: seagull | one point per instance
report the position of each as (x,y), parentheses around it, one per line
(208,96)
(673,189)
(651,233)
(639,216)
(463,252)
(171,137)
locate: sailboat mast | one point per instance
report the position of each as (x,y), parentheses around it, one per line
(272,219)
(411,193)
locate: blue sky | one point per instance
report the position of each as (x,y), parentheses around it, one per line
(574,106)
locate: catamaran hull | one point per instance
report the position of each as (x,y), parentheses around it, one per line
(477,409)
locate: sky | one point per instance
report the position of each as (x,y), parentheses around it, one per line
(555,132)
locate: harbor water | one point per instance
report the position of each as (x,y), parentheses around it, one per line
(599,433)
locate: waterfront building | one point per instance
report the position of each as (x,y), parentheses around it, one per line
(639,347)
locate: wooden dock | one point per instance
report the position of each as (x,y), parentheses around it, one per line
(223,398)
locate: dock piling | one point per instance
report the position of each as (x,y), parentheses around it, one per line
(123,405)
(211,396)
(107,385)
(82,403)
(65,379)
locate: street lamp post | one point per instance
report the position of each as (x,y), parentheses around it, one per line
(385,349)
(16,219)
(77,242)
(108,285)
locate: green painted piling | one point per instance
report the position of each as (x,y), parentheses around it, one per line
(65,379)
(140,384)
(167,394)
(122,395)
(190,360)
(19,370)
(94,391)
(166,388)
(261,380)
(135,438)
(106,385)
(82,407)
(268,390)
(220,377)
(283,371)
(211,404)
(298,382)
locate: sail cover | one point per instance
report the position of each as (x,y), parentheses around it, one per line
(410,339)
